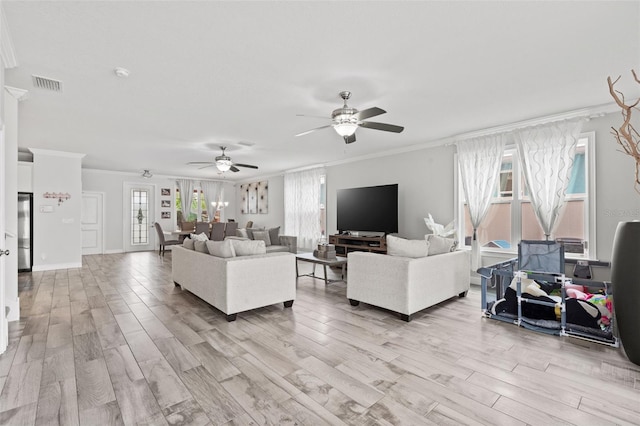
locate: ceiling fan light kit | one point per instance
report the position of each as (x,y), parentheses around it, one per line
(223,163)
(346,120)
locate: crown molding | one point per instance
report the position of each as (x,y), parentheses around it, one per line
(19,94)
(155,175)
(7,52)
(56,153)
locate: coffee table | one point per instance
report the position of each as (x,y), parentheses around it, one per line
(309,257)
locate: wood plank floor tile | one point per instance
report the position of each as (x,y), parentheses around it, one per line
(31,347)
(23,415)
(186,413)
(176,354)
(94,384)
(22,385)
(215,362)
(58,404)
(165,384)
(107,414)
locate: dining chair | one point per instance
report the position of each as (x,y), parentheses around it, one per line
(202,227)
(163,242)
(217,231)
(230,229)
(188,226)
(249,224)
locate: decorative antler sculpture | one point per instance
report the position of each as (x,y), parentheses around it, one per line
(627,136)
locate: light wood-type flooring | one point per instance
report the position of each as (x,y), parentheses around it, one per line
(117,343)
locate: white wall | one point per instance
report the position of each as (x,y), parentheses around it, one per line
(275,215)
(112,184)
(56,234)
(11,205)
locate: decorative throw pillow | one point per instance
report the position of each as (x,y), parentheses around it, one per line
(241,232)
(273,235)
(262,236)
(407,248)
(221,248)
(248,247)
(199,237)
(250,231)
(188,244)
(201,246)
(439,244)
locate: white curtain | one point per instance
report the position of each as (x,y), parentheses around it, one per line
(479,160)
(212,192)
(186,187)
(302,206)
(546,154)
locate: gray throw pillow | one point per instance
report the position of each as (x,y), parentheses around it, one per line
(250,232)
(201,246)
(262,236)
(248,247)
(241,232)
(440,245)
(188,243)
(273,235)
(407,248)
(221,248)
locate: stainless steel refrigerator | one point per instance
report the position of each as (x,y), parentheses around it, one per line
(25,231)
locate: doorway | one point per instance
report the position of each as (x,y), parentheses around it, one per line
(92,222)
(139,216)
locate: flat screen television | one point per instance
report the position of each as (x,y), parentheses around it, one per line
(372,208)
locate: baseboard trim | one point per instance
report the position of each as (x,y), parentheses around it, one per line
(53,267)
(14,309)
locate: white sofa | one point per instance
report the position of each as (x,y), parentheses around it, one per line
(407,285)
(236,284)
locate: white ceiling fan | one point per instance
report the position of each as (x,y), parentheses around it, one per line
(346,120)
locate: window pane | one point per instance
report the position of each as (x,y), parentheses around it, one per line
(139,217)
(570,226)
(577,184)
(495,231)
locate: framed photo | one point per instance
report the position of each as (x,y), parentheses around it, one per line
(165,203)
(165,215)
(165,192)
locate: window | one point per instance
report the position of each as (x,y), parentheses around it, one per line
(511,218)
(198,208)
(139,217)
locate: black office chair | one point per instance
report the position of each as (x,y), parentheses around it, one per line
(162,240)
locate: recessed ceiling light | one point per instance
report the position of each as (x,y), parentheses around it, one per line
(121,72)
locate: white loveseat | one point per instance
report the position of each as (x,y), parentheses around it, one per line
(238,283)
(407,285)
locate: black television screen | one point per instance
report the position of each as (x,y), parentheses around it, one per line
(372,208)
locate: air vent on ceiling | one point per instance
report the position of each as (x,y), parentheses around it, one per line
(47,83)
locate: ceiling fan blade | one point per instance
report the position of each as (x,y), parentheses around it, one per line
(313,116)
(368,113)
(350,139)
(381,126)
(208,165)
(245,165)
(234,169)
(199,163)
(313,130)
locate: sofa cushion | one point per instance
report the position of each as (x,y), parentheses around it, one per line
(407,248)
(188,244)
(248,247)
(250,232)
(221,248)
(273,235)
(242,233)
(262,236)
(199,237)
(201,246)
(439,244)
(273,248)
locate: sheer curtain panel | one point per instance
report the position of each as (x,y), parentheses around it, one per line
(302,206)
(546,153)
(212,192)
(186,187)
(479,160)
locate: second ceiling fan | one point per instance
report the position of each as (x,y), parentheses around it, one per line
(346,120)
(223,163)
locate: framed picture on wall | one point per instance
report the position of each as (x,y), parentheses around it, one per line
(165,215)
(165,192)
(165,203)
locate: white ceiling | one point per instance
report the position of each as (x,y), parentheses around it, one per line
(205,74)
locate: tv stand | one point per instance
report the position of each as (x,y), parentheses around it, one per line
(348,243)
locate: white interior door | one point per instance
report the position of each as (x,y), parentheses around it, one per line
(139,216)
(4,325)
(92,226)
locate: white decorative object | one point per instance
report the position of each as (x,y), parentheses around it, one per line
(547,152)
(479,159)
(438,229)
